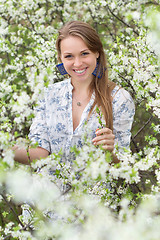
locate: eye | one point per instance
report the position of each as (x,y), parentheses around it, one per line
(85,53)
(68,56)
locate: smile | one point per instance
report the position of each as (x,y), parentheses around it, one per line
(80,71)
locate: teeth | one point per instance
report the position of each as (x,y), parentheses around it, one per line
(80,71)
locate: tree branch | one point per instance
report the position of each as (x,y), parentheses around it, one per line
(22,229)
(135,145)
(129,84)
(12,209)
(122,21)
(152,3)
(140,130)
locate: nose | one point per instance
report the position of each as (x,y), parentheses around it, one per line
(77,62)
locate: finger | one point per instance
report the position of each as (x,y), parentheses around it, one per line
(105,136)
(103,131)
(104,142)
(106,145)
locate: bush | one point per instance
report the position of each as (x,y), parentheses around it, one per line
(90,198)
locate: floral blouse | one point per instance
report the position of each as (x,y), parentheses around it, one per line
(52,126)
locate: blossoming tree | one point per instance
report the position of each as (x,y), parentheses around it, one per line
(92,197)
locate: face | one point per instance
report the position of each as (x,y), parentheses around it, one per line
(78,60)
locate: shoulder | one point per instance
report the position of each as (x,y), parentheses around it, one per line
(122,100)
(121,95)
(57,86)
(53,93)
(57,89)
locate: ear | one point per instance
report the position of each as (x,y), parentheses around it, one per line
(59,59)
(97,54)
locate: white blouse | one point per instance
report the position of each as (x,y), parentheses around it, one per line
(52,126)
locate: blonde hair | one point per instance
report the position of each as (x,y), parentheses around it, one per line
(102,86)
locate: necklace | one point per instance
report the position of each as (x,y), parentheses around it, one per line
(79,103)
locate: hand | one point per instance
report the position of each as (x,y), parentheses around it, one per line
(104,137)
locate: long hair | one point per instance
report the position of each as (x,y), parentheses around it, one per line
(102,86)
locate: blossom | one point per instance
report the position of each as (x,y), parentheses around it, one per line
(98,189)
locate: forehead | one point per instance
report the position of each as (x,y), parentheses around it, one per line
(72,44)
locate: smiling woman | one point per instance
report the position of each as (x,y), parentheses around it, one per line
(67,105)
(78,60)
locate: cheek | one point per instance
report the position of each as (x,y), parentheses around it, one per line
(66,65)
(64,61)
(94,63)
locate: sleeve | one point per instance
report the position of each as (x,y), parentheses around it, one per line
(123,115)
(39,130)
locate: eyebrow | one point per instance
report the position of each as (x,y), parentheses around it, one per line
(85,50)
(80,51)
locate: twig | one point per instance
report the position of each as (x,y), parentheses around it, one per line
(110,33)
(143,127)
(151,3)
(23,228)
(135,144)
(129,84)
(29,159)
(121,20)
(12,209)
(68,189)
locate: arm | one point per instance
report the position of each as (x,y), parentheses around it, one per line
(23,157)
(38,134)
(123,114)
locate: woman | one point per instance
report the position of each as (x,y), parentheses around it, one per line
(67,105)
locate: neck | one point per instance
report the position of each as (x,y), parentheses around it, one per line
(81,92)
(81,96)
(81,89)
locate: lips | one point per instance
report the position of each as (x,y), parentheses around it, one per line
(80,71)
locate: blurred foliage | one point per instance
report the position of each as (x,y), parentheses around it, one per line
(28,31)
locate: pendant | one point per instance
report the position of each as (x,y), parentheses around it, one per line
(78,104)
